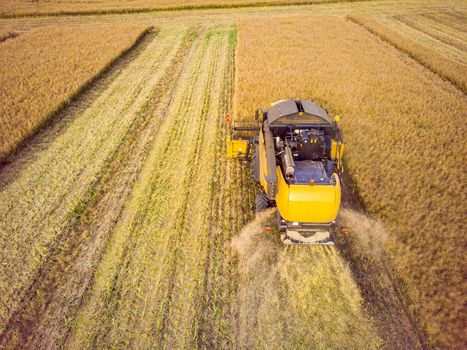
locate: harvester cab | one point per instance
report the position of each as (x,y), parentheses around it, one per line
(295,152)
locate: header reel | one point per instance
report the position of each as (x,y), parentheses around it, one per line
(242,134)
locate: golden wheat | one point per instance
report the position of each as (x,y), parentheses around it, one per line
(437,30)
(404,130)
(453,71)
(41,70)
(18,7)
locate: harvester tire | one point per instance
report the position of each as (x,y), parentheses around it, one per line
(261,203)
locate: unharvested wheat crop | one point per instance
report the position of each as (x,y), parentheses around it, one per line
(41,70)
(446,67)
(404,129)
(438,29)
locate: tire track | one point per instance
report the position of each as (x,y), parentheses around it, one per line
(174,332)
(216,327)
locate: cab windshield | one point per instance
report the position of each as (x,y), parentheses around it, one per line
(307,170)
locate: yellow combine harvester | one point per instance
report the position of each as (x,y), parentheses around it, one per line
(295,151)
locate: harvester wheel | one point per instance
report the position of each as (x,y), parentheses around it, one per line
(262,202)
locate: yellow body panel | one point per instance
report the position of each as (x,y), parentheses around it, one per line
(337,153)
(302,203)
(337,150)
(333,149)
(308,204)
(236,148)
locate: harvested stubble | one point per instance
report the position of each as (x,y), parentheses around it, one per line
(167,279)
(426,40)
(453,71)
(404,130)
(299,297)
(42,69)
(41,200)
(437,30)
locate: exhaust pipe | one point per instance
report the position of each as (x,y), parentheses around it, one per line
(288,162)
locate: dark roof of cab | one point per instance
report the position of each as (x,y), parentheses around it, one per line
(296,109)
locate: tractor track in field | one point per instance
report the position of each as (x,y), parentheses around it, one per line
(123,169)
(188,184)
(193,150)
(215,246)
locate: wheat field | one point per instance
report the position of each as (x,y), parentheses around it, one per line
(37,82)
(439,63)
(124,225)
(12,8)
(399,154)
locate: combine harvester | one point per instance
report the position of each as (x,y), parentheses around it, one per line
(295,152)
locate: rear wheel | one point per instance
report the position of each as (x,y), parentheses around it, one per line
(262,202)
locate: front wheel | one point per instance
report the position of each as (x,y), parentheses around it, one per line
(261,202)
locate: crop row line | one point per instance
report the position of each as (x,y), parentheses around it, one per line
(116,184)
(442,66)
(113,297)
(213,326)
(253,4)
(61,242)
(162,164)
(436,30)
